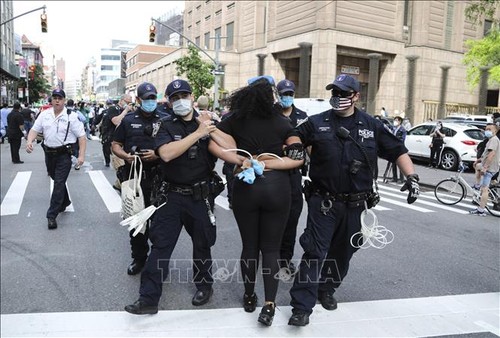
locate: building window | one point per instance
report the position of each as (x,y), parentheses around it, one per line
(207,40)
(198,7)
(218,32)
(230,6)
(198,23)
(197,41)
(487,27)
(110,57)
(229,34)
(207,18)
(189,27)
(219,12)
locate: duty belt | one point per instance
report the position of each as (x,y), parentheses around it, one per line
(181,190)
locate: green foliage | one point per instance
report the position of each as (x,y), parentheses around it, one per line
(38,84)
(197,71)
(484,52)
(478,9)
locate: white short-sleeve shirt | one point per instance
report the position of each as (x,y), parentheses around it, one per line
(54,128)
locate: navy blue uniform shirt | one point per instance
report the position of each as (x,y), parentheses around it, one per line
(332,156)
(194,165)
(297,116)
(133,131)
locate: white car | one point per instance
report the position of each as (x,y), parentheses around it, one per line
(460,143)
(312,106)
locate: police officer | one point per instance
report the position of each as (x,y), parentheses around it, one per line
(182,143)
(286,90)
(345,142)
(131,138)
(107,124)
(61,129)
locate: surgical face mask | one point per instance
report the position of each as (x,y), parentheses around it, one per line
(182,107)
(488,133)
(340,103)
(148,106)
(396,123)
(286,101)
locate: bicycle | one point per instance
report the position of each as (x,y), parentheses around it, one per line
(452,190)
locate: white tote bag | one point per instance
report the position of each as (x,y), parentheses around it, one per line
(132,198)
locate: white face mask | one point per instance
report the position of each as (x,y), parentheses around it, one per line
(182,107)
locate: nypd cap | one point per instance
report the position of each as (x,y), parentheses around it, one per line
(345,82)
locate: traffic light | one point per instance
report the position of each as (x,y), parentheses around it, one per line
(152,33)
(43,19)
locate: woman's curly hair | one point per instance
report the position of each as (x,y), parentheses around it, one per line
(255,100)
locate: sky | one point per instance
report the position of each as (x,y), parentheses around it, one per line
(77,30)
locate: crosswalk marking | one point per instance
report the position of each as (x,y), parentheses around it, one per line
(432,204)
(451,315)
(70,207)
(12,201)
(390,195)
(108,194)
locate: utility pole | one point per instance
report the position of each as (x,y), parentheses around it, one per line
(217,71)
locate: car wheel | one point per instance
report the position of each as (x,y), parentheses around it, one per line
(449,160)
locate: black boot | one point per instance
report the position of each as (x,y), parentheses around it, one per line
(266,315)
(249,302)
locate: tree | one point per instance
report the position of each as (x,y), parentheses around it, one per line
(38,84)
(476,10)
(484,52)
(197,71)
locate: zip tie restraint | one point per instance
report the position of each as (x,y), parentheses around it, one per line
(250,155)
(371,235)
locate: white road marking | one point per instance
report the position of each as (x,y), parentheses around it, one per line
(109,196)
(70,207)
(13,199)
(410,317)
(222,202)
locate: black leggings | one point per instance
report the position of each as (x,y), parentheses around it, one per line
(261,210)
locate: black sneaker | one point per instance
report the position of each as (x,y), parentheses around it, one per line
(249,302)
(266,315)
(141,308)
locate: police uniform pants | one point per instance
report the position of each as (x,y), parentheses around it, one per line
(164,232)
(106,151)
(58,167)
(288,241)
(326,236)
(259,209)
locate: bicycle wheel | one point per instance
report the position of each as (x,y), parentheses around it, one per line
(493,204)
(450,191)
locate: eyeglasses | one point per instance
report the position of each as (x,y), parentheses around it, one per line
(343,93)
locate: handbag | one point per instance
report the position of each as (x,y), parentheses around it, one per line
(132,197)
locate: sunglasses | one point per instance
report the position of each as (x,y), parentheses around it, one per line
(342,93)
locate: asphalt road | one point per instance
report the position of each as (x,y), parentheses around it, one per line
(81,266)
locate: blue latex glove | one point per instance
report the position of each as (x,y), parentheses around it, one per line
(257,167)
(247,175)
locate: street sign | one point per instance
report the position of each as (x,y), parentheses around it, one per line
(217,72)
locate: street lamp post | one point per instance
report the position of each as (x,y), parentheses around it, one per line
(215,61)
(28,12)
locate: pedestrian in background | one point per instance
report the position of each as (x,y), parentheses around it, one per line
(488,165)
(61,129)
(256,124)
(436,145)
(4,112)
(131,138)
(15,132)
(400,132)
(187,166)
(345,142)
(286,90)
(28,116)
